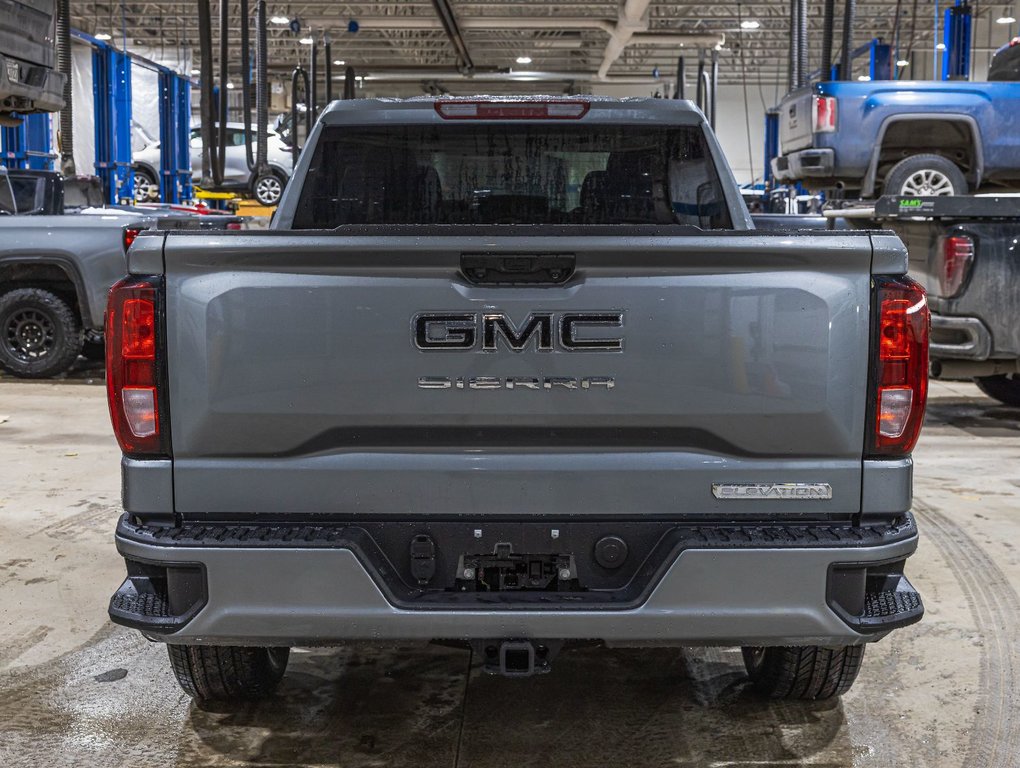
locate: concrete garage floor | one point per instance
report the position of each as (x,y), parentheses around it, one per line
(75,690)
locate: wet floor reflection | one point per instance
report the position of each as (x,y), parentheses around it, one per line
(418,706)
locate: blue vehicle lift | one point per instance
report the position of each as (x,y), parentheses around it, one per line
(111,88)
(28,145)
(111,84)
(957,39)
(771,144)
(174,137)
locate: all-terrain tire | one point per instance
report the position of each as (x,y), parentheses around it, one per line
(1005,389)
(808,672)
(40,335)
(925,176)
(227,673)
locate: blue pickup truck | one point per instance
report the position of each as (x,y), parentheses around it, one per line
(907,138)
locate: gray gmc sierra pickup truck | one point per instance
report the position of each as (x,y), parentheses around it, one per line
(516,374)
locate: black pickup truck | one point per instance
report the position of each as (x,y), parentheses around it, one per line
(966,253)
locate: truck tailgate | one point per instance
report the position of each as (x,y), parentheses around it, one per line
(795,128)
(298,387)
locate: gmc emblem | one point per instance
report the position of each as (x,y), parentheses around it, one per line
(542,331)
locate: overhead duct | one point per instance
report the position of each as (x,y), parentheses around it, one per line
(849,18)
(349,83)
(220,166)
(793,75)
(327,44)
(64,66)
(312,99)
(631,28)
(205,90)
(802,43)
(679,39)
(246,85)
(261,88)
(429,74)
(450,25)
(828,33)
(633,18)
(557,23)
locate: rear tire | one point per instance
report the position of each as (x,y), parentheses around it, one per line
(227,673)
(40,335)
(1005,389)
(925,176)
(808,672)
(146,186)
(268,188)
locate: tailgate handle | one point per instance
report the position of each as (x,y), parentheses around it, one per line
(523,268)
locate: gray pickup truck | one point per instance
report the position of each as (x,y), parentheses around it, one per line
(59,255)
(518,375)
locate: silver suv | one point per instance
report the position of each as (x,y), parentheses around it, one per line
(266,188)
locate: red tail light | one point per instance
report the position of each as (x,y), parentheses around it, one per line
(133,366)
(900,366)
(957,256)
(512,110)
(130,233)
(234,225)
(824,111)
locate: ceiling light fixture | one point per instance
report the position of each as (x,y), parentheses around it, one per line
(864,78)
(1006,18)
(279,20)
(523,59)
(902,63)
(230,86)
(338,63)
(940,47)
(103,36)
(750,24)
(196,72)
(306,41)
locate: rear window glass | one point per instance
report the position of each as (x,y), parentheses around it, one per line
(7,205)
(83,193)
(28,193)
(512,174)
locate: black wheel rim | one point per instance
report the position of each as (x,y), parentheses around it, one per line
(29,335)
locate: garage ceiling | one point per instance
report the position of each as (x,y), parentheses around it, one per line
(402,47)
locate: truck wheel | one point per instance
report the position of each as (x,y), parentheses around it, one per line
(146,186)
(227,673)
(40,335)
(925,176)
(268,188)
(809,672)
(1005,389)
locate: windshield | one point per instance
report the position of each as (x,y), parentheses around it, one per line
(7,207)
(512,174)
